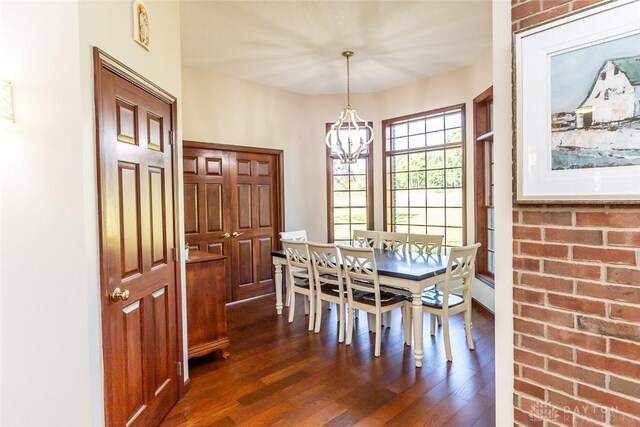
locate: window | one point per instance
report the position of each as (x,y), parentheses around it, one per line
(349,195)
(485,226)
(424,174)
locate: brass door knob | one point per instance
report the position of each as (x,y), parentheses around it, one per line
(226,235)
(117,294)
(236,234)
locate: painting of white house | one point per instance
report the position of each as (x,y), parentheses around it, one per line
(595,106)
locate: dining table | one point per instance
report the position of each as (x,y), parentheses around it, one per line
(411,272)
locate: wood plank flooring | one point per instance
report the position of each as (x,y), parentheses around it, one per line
(281,374)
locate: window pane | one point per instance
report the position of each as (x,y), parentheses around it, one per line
(454,237)
(401,229)
(438,231)
(418,197)
(400,130)
(400,181)
(416,141)
(341,183)
(416,179)
(454,217)
(358,198)
(454,197)
(435,138)
(418,229)
(401,198)
(342,232)
(400,164)
(417,161)
(435,123)
(454,158)
(435,198)
(490,218)
(340,168)
(416,127)
(453,120)
(435,159)
(492,262)
(491,241)
(435,216)
(341,216)
(418,216)
(454,178)
(435,179)
(358,182)
(454,136)
(359,215)
(400,143)
(359,167)
(341,198)
(400,216)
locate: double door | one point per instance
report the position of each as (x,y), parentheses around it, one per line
(232,207)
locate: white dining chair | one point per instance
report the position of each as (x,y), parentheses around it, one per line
(365,239)
(329,282)
(392,241)
(455,296)
(363,293)
(300,276)
(425,243)
(293,235)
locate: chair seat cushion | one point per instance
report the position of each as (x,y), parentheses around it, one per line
(301,283)
(386,298)
(434,298)
(331,290)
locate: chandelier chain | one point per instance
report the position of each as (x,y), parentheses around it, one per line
(348,84)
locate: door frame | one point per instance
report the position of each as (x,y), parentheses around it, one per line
(103,62)
(279,154)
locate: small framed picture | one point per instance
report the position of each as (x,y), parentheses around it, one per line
(141,24)
(578,107)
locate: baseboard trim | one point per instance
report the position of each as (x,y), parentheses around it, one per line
(251,299)
(481,306)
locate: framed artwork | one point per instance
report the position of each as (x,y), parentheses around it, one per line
(578,107)
(141,24)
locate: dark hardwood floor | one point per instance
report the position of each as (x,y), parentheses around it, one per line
(281,374)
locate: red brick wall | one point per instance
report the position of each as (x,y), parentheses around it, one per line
(576,299)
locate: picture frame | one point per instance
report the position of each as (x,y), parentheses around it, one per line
(141,24)
(577,89)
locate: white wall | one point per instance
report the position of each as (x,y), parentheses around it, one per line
(50,311)
(108,25)
(46,362)
(225,110)
(503,205)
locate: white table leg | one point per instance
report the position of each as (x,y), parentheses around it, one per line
(418,352)
(278,280)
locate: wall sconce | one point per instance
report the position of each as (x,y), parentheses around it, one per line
(6,101)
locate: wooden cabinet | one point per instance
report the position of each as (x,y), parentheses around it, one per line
(206,299)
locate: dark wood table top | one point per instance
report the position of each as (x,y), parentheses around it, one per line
(403,265)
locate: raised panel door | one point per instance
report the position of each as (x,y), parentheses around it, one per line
(136,232)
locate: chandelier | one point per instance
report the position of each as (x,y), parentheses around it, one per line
(350,135)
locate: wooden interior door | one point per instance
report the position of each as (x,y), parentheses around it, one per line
(139,319)
(233,207)
(253,223)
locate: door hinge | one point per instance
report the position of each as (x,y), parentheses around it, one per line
(179,368)
(175,254)
(172,137)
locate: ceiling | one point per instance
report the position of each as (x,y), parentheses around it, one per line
(297,45)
